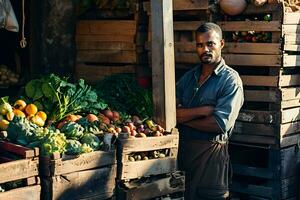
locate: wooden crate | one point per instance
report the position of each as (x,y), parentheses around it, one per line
(268,190)
(106,41)
(58,165)
(22,166)
(130,170)
(273,174)
(89,175)
(93,184)
(93,73)
(270,164)
(186,19)
(153,187)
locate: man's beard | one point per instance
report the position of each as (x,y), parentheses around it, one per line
(206,58)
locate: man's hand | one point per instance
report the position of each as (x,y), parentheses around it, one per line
(187,114)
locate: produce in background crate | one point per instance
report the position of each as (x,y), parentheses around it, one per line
(7,76)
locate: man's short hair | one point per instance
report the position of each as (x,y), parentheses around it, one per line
(209,26)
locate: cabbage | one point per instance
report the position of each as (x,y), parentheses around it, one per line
(91,140)
(72,130)
(73,147)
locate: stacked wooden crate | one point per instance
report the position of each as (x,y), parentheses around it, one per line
(19,172)
(139,177)
(262,45)
(87,176)
(187,17)
(105,47)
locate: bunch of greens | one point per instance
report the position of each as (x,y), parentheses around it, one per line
(49,140)
(60,98)
(124,94)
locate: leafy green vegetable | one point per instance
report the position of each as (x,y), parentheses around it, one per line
(72,130)
(54,141)
(21,131)
(61,98)
(73,147)
(124,94)
(91,140)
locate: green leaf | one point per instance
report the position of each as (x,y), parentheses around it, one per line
(32,87)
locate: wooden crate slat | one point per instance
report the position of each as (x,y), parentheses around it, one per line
(105,56)
(291,18)
(286,29)
(253,190)
(252,60)
(144,168)
(88,45)
(289,140)
(252,48)
(267,8)
(291,47)
(94,73)
(254,116)
(271,81)
(88,184)
(254,129)
(289,128)
(261,96)
(290,103)
(156,188)
(187,25)
(290,93)
(24,193)
(289,80)
(103,27)
(253,171)
(291,39)
(185,47)
(149,144)
(264,191)
(272,26)
(290,115)
(190,5)
(254,139)
(18,169)
(182,5)
(71,164)
(17,149)
(105,38)
(190,58)
(291,60)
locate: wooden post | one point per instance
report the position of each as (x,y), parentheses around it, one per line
(163,64)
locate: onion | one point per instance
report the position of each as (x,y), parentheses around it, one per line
(233,7)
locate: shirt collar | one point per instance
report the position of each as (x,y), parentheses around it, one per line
(217,71)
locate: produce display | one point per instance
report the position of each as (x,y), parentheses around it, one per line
(124,94)
(162,153)
(71,118)
(249,36)
(7,76)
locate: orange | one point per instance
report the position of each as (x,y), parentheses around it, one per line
(42,115)
(4,124)
(20,104)
(31,109)
(19,113)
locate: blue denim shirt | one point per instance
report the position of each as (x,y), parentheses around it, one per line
(223,90)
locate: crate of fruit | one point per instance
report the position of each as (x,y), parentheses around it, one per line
(145,149)
(19,176)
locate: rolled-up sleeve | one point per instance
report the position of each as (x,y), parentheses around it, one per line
(229,104)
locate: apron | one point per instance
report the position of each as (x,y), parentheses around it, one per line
(206,165)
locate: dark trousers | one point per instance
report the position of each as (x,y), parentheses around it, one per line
(206,165)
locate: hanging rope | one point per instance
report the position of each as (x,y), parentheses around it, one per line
(23,42)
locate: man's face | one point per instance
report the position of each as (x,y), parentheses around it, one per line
(209,46)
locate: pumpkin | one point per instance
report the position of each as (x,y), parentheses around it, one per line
(233,7)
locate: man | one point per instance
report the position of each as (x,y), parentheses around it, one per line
(209,98)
